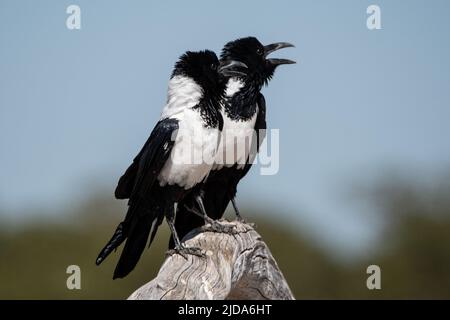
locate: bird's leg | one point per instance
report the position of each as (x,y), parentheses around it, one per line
(199,199)
(236,210)
(179,247)
(201,215)
(202,212)
(176,239)
(205,217)
(215,226)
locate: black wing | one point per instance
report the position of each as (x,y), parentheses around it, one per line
(143,213)
(153,154)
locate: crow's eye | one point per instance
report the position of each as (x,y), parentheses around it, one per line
(213,66)
(259,51)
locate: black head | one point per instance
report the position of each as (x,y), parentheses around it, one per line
(251,52)
(206,70)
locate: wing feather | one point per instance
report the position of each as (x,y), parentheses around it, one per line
(142,173)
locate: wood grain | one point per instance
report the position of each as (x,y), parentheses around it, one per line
(235,266)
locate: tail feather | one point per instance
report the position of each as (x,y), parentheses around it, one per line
(155,227)
(139,221)
(135,245)
(118,237)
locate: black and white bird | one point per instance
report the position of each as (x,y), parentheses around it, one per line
(244,113)
(174,160)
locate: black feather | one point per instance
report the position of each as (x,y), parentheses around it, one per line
(136,183)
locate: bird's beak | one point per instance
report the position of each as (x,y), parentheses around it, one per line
(274,47)
(232,68)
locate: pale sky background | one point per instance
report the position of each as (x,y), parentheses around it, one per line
(76,106)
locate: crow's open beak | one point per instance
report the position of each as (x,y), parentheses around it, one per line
(232,68)
(277,46)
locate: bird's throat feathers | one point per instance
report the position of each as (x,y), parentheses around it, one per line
(184,93)
(241,98)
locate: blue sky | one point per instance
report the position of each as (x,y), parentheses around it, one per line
(75,106)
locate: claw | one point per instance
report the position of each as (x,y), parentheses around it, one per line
(215,226)
(240,219)
(185,251)
(211,224)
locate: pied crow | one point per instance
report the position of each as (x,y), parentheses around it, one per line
(244,113)
(174,160)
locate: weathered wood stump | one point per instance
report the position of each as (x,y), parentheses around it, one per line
(235,266)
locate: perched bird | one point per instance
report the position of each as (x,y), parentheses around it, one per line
(244,113)
(165,170)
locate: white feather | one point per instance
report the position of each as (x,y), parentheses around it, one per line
(236,136)
(195,146)
(233,86)
(183,93)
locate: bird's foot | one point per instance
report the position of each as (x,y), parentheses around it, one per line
(216,226)
(244,221)
(185,251)
(213,225)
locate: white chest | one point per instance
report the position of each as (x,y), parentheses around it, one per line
(237,136)
(193,153)
(235,143)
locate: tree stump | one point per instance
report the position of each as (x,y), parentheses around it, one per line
(235,266)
